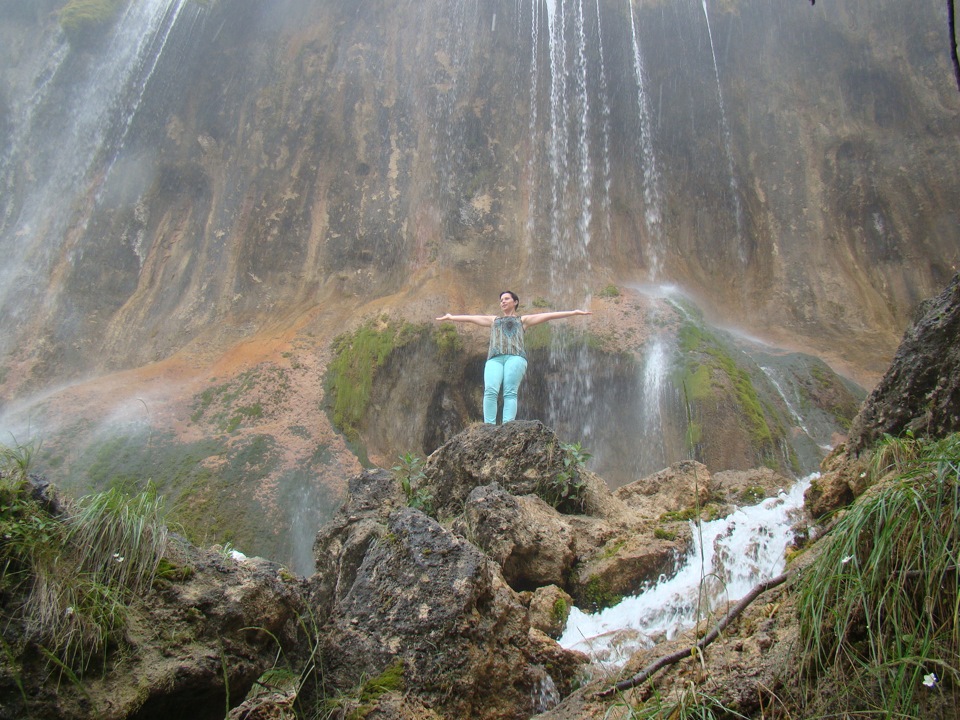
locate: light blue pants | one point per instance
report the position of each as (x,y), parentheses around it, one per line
(506,371)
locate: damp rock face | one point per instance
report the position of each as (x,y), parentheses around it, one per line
(920,392)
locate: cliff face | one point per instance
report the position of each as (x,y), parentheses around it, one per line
(796,167)
(198,197)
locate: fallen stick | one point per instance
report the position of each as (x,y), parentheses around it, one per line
(679,655)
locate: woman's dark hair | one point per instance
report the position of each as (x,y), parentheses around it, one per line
(512,294)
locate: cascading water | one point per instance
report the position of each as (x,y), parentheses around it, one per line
(651,434)
(728,558)
(727,145)
(66,139)
(653,199)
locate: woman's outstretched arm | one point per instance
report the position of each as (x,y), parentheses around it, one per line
(531,320)
(484,320)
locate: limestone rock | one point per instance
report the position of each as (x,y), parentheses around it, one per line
(522,457)
(921,390)
(549,610)
(428,599)
(682,486)
(524,535)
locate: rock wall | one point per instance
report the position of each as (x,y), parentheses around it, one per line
(796,167)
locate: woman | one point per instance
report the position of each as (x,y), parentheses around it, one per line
(506,358)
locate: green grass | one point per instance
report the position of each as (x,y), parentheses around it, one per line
(74,574)
(879,607)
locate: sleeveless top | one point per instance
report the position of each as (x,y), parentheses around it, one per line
(506,337)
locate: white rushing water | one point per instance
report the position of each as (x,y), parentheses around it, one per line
(728,558)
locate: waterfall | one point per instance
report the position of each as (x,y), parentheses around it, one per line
(727,559)
(653,200)
(651,450)
(67,137)
(727,144)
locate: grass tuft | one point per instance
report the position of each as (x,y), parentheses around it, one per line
(74,573)
(879,607)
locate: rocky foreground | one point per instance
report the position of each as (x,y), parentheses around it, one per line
(439,589)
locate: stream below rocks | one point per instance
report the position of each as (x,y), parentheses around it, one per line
(728,557)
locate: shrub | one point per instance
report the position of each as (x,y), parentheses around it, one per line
(566,490)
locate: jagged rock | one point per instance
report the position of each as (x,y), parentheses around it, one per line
(549,610)
(921,390)
(527,537)
(342,543)
(429,599)
(920,393)
(219,625)
(522,457)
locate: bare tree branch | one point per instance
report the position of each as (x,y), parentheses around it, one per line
(676,657)
(952,22)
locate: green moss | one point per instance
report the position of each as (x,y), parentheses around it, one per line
(168,570)
(610,550)
(661,534)
(356,358)
(610,291)
(597,594)
(447,340)
(679,515)
(559,611)
(83,19)
(751,495)
(708,362)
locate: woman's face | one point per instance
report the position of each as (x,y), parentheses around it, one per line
(507,304)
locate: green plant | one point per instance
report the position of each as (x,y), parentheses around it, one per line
(409,471)
(356,358)
(80,19)
(661,534)
(689,703)
(75,573)
(566,489)
(879,607)
(610,291)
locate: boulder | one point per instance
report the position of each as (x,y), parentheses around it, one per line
(426,600)
(523,457)
(525,536)
(921,390)
(549,610)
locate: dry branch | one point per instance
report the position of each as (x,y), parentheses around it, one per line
(679,655)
